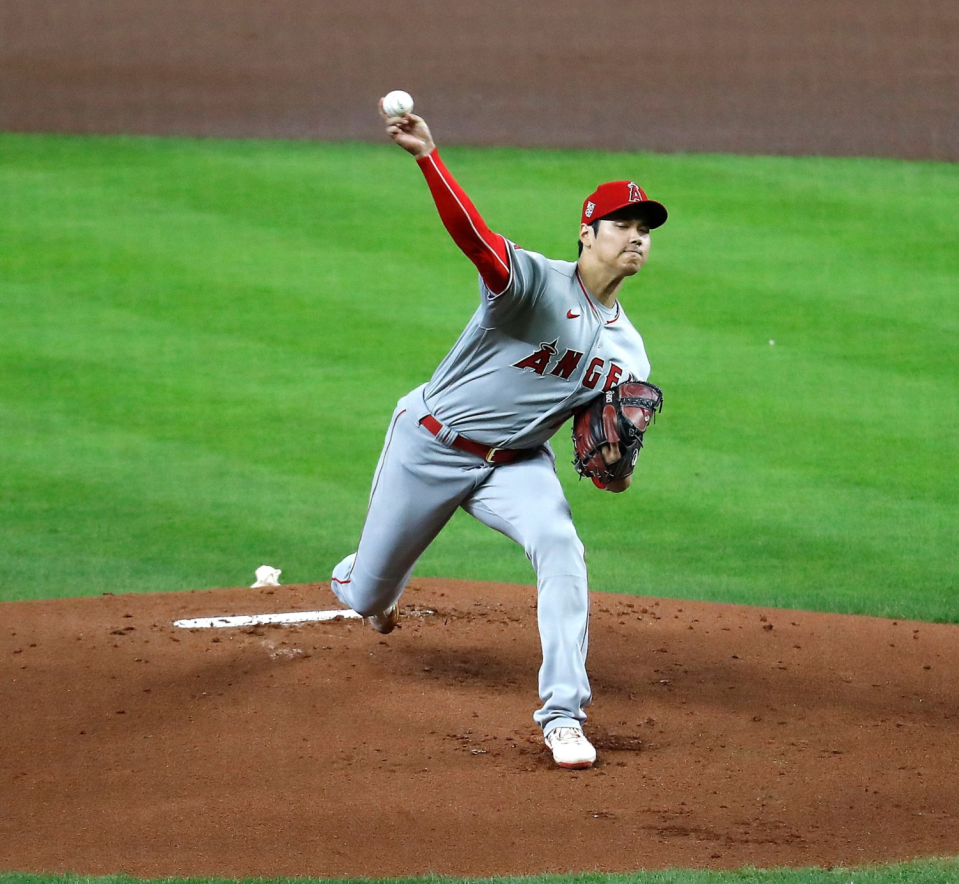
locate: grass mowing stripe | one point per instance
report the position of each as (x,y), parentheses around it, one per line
(115,526)
(203,341)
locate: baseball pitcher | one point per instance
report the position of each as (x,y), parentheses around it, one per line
(549,339)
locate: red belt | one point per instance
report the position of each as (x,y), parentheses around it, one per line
(490,455)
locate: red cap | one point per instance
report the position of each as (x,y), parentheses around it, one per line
(615,195)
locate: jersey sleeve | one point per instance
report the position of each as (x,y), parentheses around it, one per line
(529,272)
(489,251)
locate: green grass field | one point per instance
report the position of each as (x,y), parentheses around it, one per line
(202,343)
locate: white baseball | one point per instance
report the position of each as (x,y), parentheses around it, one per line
(397,103)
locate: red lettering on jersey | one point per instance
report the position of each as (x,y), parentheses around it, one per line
(593,373)
(613,377)
(540,359)
(567,365)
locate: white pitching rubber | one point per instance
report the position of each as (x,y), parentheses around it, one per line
(264,619)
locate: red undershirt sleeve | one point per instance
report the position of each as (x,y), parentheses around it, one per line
(487,250)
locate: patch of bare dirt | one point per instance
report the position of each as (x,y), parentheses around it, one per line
(727,736)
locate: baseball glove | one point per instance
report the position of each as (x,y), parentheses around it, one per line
(620,415)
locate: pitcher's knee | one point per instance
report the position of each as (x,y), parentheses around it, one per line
(376,601)
(368,595)
(557,549)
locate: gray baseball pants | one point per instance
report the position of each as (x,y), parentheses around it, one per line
(419,482)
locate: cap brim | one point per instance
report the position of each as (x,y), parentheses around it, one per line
(650,211)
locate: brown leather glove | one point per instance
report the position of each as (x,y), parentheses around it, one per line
(619,416)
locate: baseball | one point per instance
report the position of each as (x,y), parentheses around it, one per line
(397,103)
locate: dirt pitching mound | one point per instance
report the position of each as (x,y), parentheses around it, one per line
(727,736)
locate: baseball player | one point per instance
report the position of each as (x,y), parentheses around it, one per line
(547,337)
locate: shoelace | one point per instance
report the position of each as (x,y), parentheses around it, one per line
(567,735)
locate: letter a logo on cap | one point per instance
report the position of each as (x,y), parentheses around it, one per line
(615,195)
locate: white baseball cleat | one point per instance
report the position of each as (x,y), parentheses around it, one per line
(570,748)
(384,623)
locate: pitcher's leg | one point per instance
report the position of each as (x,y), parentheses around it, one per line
(562,614)
(417,487)
(525,501)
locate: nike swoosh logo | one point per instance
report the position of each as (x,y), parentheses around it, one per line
(571,315)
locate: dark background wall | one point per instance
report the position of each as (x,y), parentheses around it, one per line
(849,77)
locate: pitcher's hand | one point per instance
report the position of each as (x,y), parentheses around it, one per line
(410,132)
(611,454)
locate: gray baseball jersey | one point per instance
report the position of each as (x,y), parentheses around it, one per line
(532,356)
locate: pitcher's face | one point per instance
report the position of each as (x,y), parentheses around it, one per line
(620,244)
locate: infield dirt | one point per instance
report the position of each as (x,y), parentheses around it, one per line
(727,736)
